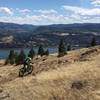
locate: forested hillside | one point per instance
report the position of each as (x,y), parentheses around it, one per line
(15,35)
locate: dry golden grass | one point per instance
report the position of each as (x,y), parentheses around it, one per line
(56,78)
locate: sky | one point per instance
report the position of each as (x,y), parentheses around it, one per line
(45,12)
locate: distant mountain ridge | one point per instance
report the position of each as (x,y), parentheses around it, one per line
(24,35)
(53,27)
(13,26)
(85,27)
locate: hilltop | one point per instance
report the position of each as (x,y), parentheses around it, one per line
(76,76)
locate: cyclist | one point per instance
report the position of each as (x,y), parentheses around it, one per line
(27,62)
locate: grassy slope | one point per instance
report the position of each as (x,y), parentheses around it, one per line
(54,78)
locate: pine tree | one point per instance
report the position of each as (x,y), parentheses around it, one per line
(41,50)
(93,41)
(16,58)
(61,48)
(47,52)
(68,47)
(21,57)
(11,58)
(31,53)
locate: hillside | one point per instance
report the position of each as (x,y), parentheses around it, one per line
(49,35)
(75,76)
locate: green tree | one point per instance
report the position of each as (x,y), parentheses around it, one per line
(21,57)
(47,52)
(68,47)
(41,50)
(61,48)
(31,53)
(11,58)
(93,42)
(16,58)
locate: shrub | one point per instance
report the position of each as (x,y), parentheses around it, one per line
(61,48)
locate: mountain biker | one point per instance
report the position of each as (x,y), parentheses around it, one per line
(27,62)
(27,68)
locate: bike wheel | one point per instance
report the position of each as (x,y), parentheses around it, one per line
(21,74)
(31,70)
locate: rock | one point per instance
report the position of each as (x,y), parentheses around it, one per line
(79,84)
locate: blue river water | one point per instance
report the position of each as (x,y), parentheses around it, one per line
(5,52)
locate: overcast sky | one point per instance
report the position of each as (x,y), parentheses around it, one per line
(43,12)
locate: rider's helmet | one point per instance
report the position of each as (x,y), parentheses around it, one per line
(28,60)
